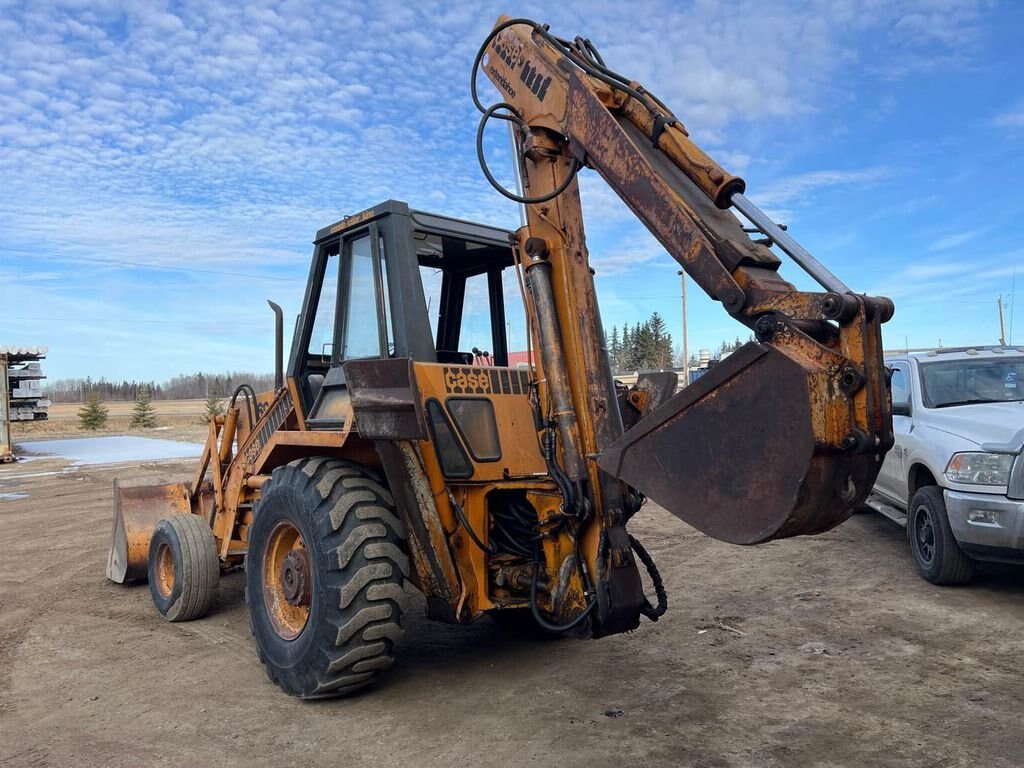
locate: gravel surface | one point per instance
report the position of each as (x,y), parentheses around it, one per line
(828,651)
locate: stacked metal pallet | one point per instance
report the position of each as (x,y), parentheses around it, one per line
(21,390)
(6,449)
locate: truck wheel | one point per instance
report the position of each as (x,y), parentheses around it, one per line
(323,577)
(937,555)
(183,567)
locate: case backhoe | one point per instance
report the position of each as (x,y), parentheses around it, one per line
(396,449)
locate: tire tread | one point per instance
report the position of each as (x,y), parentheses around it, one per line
(360,540)
(955,568)
(200,567)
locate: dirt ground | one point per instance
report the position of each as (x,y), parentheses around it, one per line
(827,651)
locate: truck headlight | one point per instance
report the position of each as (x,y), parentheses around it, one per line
(979,468)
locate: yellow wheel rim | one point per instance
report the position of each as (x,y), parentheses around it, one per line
(164,569)
(287,581)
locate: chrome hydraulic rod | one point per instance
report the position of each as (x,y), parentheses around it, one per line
(797,252)
(553,357)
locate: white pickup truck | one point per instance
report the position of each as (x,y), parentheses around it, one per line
(955,476)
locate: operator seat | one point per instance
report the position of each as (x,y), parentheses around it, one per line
(314,381)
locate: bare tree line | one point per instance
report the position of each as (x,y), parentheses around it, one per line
(184,387)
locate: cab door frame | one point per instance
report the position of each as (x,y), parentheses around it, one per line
(892,476)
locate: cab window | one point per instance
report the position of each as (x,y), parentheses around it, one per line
(898,383)
(360,334)
(321,340)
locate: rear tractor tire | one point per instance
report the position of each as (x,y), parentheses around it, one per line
(183,567)
(324,577)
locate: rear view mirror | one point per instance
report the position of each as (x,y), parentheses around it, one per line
(901,409)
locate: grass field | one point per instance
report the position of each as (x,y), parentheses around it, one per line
(186,417)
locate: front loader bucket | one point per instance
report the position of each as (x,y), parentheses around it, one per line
(747,453)
(137,510)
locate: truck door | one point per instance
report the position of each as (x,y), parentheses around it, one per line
(892,478)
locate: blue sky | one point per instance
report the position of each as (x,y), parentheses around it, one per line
(163,166)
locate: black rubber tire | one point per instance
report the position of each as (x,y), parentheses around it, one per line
(354,541)
(936,553)
(189,542)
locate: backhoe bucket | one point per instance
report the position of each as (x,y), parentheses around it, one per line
(746,454)
(137,510)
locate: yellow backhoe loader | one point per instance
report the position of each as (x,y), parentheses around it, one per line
(396,449)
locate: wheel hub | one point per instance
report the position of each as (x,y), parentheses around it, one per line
(165,570)
(287,580)
(295,577)
(925,535)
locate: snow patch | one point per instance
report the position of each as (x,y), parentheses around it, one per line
(110,450)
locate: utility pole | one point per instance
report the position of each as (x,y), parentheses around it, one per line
(686,350)
(1002,330)
(1013,300)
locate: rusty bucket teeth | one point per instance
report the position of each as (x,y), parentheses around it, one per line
(740,454)
(137,510)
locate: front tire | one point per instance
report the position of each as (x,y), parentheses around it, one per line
(183,567)
(937,554)
(324,575)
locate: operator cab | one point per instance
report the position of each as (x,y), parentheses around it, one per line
(395,282)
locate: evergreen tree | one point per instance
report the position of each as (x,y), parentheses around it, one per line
(93,414)
(214,405)
(614,348)
(632,356)
(661,342)
(144,415)
(644,348)
(626,349)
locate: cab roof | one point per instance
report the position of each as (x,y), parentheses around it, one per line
(956,353)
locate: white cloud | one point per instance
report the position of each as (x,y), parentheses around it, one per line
(801,187)
(1011,119)
(956,239)
(221,136)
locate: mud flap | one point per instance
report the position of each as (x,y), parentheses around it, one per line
(137,510)
(747,453)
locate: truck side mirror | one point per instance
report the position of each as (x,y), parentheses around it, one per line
(901,409)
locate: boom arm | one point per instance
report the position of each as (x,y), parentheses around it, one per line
(784,437)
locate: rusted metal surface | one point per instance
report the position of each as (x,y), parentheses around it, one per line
(508,390)
(652,195)
(164,570)
(385,399)
(296,578)
(285,553)
(783,439)
(651,390)
(434,571)
(744,454)
(671,137)
(556,374)
(227,436)
(137,510)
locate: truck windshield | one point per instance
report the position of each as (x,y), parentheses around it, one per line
(961,382)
